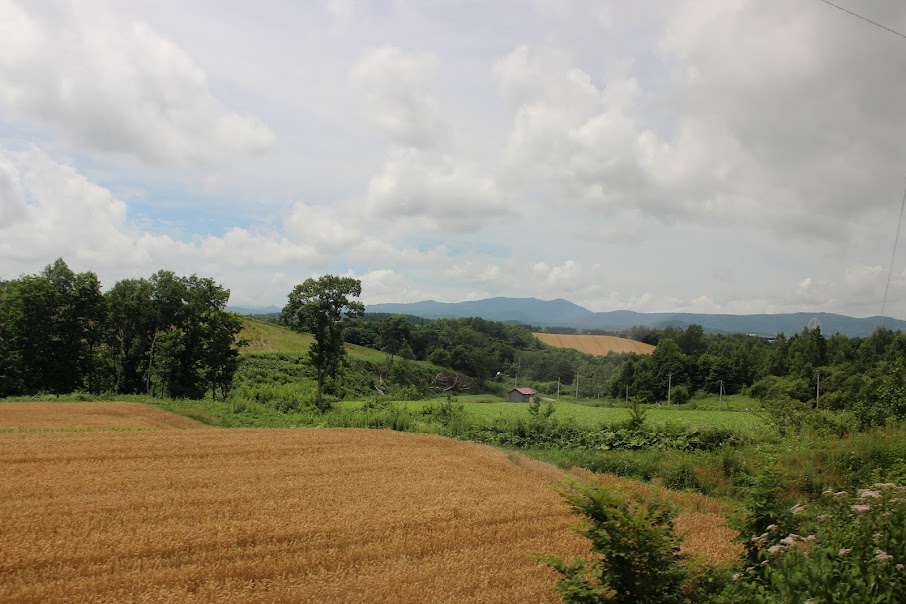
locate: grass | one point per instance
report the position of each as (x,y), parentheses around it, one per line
(263,337)
(483,409)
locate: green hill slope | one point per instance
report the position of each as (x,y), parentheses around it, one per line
(266,337)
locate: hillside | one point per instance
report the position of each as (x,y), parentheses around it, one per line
(562,313)
(595,345)
(266,337)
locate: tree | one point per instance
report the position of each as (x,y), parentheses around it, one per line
(395,334)
(318,306)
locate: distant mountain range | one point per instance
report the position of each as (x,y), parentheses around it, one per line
(254,310)
(562,313)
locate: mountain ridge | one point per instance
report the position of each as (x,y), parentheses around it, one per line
(563,313)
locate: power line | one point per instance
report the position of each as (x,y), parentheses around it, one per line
(893,31)
(893,255)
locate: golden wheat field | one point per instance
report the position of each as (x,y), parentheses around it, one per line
(284,515)
(596,345)
(89,416)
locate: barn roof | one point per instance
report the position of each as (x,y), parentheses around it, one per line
(522,390)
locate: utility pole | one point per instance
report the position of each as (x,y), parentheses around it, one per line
(627,392)
(720,400)
(818,391)
(669,385)
(558,388)
(577,383)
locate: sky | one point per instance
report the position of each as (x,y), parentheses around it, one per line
(717,156)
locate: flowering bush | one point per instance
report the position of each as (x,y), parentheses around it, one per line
(846,547)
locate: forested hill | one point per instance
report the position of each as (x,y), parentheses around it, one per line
(562,313)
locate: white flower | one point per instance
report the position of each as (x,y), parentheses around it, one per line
(790,539)
(859,508)
(774,549)
(844,551)
(882,556)
(797,508)
(869,494)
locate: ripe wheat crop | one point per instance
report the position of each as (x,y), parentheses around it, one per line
(88,416)
(596,345)
(285,515)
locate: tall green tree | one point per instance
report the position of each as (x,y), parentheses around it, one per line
(317,306)
(129,323)
(395,334)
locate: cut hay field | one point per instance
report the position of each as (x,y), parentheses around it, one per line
(595,345)
(89,416)
(285,515)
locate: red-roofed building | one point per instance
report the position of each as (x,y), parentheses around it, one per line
(521,395)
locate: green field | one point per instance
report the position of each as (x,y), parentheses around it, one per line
(262,337)
(482,409)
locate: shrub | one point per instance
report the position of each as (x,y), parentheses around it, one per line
(679,395)
(682,477)
(635,551)
(846,547)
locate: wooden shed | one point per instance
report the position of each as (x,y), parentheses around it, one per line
(521,395)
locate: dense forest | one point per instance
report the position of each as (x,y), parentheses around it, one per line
(164,336)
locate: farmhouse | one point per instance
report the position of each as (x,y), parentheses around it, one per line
(521,395)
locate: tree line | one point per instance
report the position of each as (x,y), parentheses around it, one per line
(864,375)
(162,336)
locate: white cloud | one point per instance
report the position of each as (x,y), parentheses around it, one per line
(438,193)
(763,118)
(115,87)
(12,198)
(397,97)
(329,229)
(61,213)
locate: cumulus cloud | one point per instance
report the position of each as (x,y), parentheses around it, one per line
(396,89)
(61,213)
(763,118)
(115,87)
(325,228)
(437,192)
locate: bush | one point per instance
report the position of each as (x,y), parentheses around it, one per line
(682,477)
(635,551)
(679,395)
(846,547)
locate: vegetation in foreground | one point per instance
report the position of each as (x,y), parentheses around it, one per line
(845,547)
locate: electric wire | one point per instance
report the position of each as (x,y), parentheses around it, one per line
(893,254)
(893,31)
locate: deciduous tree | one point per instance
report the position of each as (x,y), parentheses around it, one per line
(317,306)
